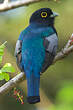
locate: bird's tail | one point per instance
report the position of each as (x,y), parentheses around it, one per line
(33,85)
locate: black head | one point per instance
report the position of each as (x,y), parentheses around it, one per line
(43,16)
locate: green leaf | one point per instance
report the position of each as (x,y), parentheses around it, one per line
(2,50)
(0,59)
(1,76)
(6,76)
(8,68)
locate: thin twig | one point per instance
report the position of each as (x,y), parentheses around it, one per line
(6,1)
(11,83)
(66,50)
(11,5)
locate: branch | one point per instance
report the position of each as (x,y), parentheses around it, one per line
(65,51)
(6,1)
(11,5)
(18,78)
(11,83)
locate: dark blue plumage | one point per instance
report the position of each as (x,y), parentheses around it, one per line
(36,48)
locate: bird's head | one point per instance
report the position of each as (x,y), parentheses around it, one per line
(43,16)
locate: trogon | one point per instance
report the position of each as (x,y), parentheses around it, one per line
(36,48)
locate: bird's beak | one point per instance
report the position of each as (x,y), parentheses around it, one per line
(54,14)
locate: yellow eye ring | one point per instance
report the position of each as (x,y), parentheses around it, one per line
(44,14)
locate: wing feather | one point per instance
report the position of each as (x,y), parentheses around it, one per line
(18,53)
(50,45)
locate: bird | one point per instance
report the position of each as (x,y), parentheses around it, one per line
(35,50)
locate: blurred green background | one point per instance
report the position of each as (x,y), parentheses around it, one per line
(11,24)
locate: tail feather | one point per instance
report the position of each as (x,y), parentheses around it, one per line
(33,85)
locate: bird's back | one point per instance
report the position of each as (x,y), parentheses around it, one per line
(33,51)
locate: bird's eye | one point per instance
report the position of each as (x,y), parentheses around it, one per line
(44,14)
